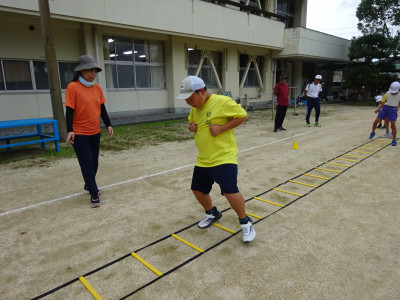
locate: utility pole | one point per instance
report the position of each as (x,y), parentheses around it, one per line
(52,69)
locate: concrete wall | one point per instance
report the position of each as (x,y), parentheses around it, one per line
(180,24)
(178,17)
(306,43)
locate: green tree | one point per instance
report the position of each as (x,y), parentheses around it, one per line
(373,54)
(377,15)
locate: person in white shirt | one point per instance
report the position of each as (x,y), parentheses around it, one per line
(311,93)
(389,109)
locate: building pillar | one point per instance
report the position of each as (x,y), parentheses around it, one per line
(298,78)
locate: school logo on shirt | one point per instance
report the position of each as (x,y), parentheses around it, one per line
(208,115)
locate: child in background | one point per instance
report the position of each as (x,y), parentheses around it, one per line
(389,110)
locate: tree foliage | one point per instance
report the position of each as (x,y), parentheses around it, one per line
(372,55)
(377,15)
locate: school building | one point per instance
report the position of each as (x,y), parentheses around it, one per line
(146,48)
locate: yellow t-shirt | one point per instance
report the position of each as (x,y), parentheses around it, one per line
(220,149)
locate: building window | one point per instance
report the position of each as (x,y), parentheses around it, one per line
(28,75)
(206,59)
(41,75)
(286,8)
(17,75)
(251,79)
(133,63)
(66,72)
(2,87)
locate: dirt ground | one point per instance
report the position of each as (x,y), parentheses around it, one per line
(340,241)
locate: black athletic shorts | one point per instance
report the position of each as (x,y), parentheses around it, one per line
(225,175)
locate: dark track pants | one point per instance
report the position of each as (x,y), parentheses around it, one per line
(280,116)
(313,103)
(87,151)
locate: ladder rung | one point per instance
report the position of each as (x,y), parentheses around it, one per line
(368,148)
(283,191)
(347,159)
(318,168)
(253,215)
(338,165)
(366,152)
(146,263)
(362,156)
(302,183)
(224,228)
(326,178)
(90,288)
(187,243)
(260,199)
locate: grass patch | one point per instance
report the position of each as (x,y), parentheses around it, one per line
(125,137)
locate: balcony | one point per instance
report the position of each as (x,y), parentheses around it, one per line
(303,43)
(228,21)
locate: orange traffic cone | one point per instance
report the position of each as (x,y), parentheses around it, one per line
(295,146)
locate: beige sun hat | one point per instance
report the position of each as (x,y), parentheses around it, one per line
(87,62)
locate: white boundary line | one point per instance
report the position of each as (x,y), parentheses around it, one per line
(147,176)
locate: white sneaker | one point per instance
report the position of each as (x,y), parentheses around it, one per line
(248,232)
(209,219)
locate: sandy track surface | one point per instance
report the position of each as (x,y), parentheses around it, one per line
(340,241)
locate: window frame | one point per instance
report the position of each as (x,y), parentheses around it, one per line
(254,59)
(208,56)
(134,63)
(32,75)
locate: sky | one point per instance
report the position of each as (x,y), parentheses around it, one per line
(336,17)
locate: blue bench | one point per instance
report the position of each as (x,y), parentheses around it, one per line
(30,122)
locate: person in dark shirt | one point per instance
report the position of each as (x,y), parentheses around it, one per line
(281,90)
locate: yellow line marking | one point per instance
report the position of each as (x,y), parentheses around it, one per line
(224,228)
(253,215)
(187,243)
(326,178)
(377,144)
(257,198)
(367,152)
(338,165)
(328,170)
(90,288)
(355,155)
(146,263)
(347,159)
(283,191)
(368,148)
(294,181)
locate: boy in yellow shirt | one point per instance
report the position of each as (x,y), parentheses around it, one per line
(212,120)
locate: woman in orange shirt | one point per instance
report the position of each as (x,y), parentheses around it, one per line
(84,102)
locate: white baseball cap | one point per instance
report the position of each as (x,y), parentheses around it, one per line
(318,77)
(394,87)
(378,98)
(189,85)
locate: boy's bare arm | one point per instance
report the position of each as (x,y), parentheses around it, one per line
(218,129)
(381,104)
